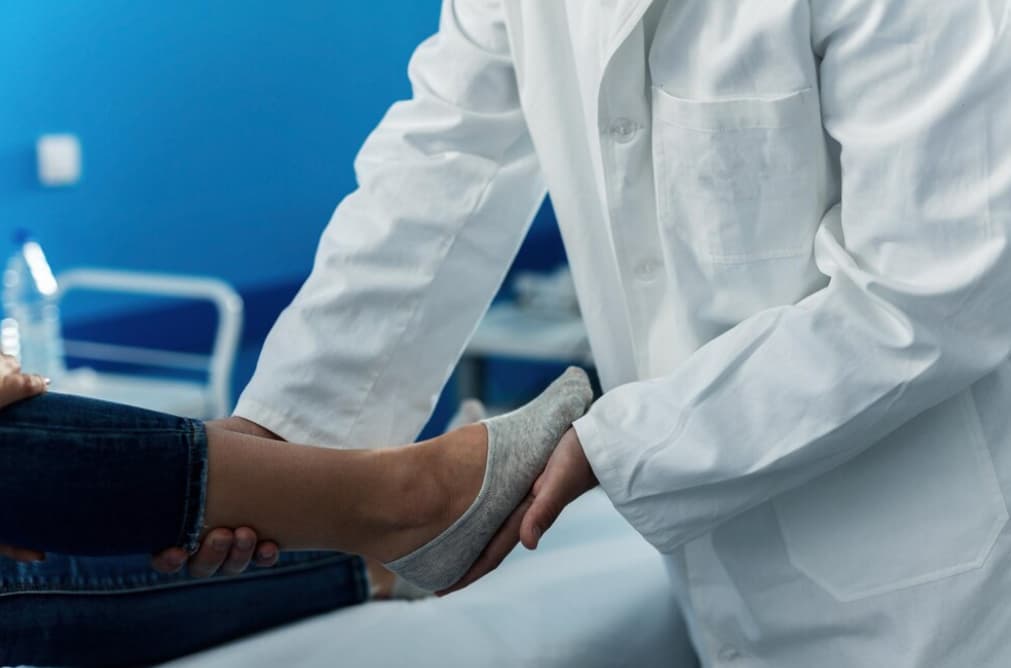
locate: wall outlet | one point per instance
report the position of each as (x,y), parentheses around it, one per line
(59,157)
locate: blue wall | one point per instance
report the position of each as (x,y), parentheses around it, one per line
(217,139)
(217,136)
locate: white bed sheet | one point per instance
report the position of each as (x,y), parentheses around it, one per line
(594,594)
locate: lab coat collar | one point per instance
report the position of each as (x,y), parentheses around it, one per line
(629,13)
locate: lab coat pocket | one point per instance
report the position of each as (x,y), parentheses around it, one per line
(920,505)
(738,179)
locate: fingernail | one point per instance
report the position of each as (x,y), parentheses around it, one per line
(47,381)
(244,544)
(266,554)
(219,545)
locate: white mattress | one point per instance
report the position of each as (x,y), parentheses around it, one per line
(594,594)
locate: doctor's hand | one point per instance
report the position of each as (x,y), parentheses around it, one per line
(566,477)
(223,550)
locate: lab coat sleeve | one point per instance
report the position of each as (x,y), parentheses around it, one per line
(916,306)
(447,186)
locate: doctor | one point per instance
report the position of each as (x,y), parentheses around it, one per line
(788,224)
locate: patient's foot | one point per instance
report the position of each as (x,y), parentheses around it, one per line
(485,471)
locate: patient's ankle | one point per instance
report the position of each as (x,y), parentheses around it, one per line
(410,497)
(428,486)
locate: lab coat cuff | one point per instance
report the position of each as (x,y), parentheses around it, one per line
(604,456)
(276,420)
(597,450)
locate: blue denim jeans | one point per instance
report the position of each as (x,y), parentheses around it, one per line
(111,484)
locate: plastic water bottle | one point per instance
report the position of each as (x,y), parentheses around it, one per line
(30,329)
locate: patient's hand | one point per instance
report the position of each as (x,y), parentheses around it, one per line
(16,386)
(223,550)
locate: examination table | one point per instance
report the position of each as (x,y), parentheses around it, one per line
(594,594)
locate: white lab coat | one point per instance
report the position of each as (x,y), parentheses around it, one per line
(788,226)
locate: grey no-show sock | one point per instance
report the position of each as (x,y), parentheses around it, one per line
(519,445)
(405,591)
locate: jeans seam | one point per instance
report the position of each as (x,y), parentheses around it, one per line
(196,487)
(361,577)
(34,426)
(20,589)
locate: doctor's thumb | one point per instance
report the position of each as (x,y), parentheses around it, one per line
(544,510)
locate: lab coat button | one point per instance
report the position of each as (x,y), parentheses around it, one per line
(647,270)
(729,653)
(623,130)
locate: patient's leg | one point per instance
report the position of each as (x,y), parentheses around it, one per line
(91,478)
(393,502)
(86,477)
(380,503)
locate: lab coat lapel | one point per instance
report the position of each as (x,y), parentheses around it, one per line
(628,14)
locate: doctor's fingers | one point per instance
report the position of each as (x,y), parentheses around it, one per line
(19,554)
(213,551)
(241,553)
(169,561)
(15,387)
(267,554)
(567,476)
(207,561)
(502,543)
(230,553)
